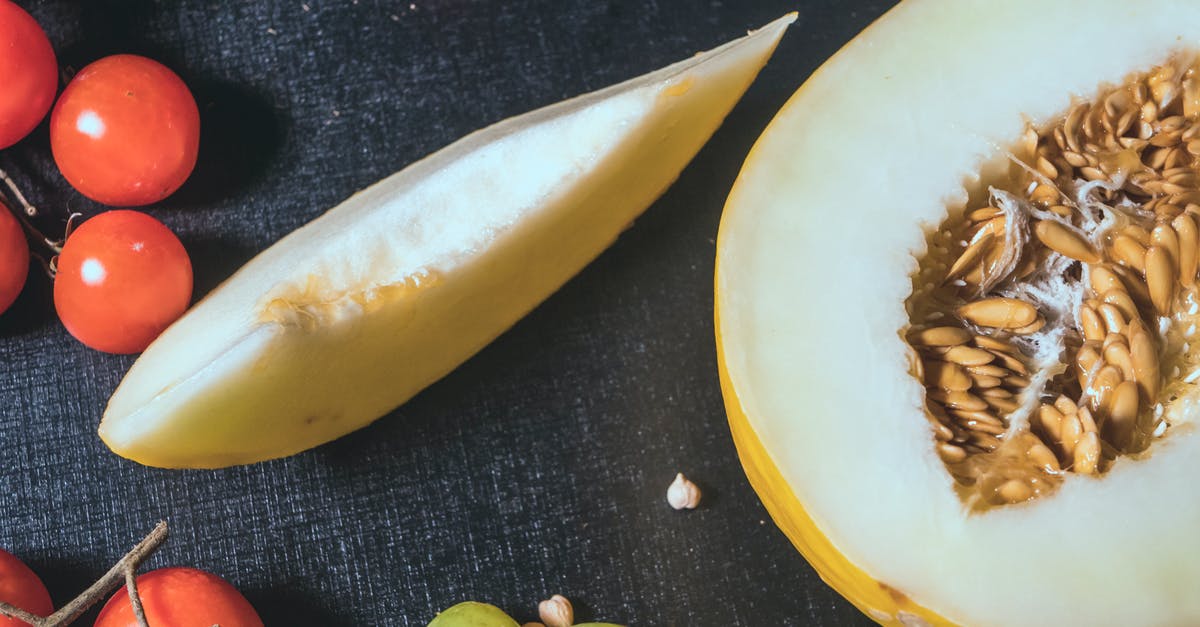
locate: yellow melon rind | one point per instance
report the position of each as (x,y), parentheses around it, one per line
(885,604)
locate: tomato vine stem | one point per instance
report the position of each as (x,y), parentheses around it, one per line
(124,570)
(29,211)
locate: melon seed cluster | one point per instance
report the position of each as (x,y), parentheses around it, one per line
(1130,161)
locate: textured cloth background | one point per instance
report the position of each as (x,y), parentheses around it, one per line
(540,466)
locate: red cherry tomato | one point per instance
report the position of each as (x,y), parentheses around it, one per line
(14,258)
(181,597)
(125,131)
(122,278)
(28,74)
(21,587)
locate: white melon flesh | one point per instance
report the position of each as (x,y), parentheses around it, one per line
(354,313)
(818,244)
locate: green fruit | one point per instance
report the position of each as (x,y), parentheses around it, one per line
(473,614)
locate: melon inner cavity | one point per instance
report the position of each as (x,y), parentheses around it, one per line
(1052,320)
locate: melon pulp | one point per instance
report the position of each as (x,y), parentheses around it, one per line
(353,314)
(822,236)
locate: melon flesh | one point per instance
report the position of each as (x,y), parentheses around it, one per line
(351,315)
(818,243)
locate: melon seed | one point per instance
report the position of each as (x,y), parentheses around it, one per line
(1065,405)
(971,257)
(999,312)
(1091,322)
(1016,381)
(1049,418)
(1145,360)
(947,376)
(989,370)
(993,344)
(1160,278)
(1189,241)
(983,381)
(1065,241)
(1130,252)
(1114,320)
(967,356)
(1121,300)
(1122,414)
(1015,491)
(1165,237)
(951,453)
(1043,457)
(1118,355)
(940,336)
(1086,456)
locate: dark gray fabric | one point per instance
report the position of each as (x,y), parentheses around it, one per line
(540,466)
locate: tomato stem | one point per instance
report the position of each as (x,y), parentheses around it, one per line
(135,599)
(30,211)
(125,569)
(49,266)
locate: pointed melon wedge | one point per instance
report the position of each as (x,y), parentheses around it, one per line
(353,314)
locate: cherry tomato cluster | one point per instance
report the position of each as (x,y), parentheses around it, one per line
(171,597)
(124,132)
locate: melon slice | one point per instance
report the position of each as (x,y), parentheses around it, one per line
(955,301)
(353,314)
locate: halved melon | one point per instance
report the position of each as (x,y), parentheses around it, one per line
(955,306)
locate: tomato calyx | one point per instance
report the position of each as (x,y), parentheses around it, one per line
(123,572)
